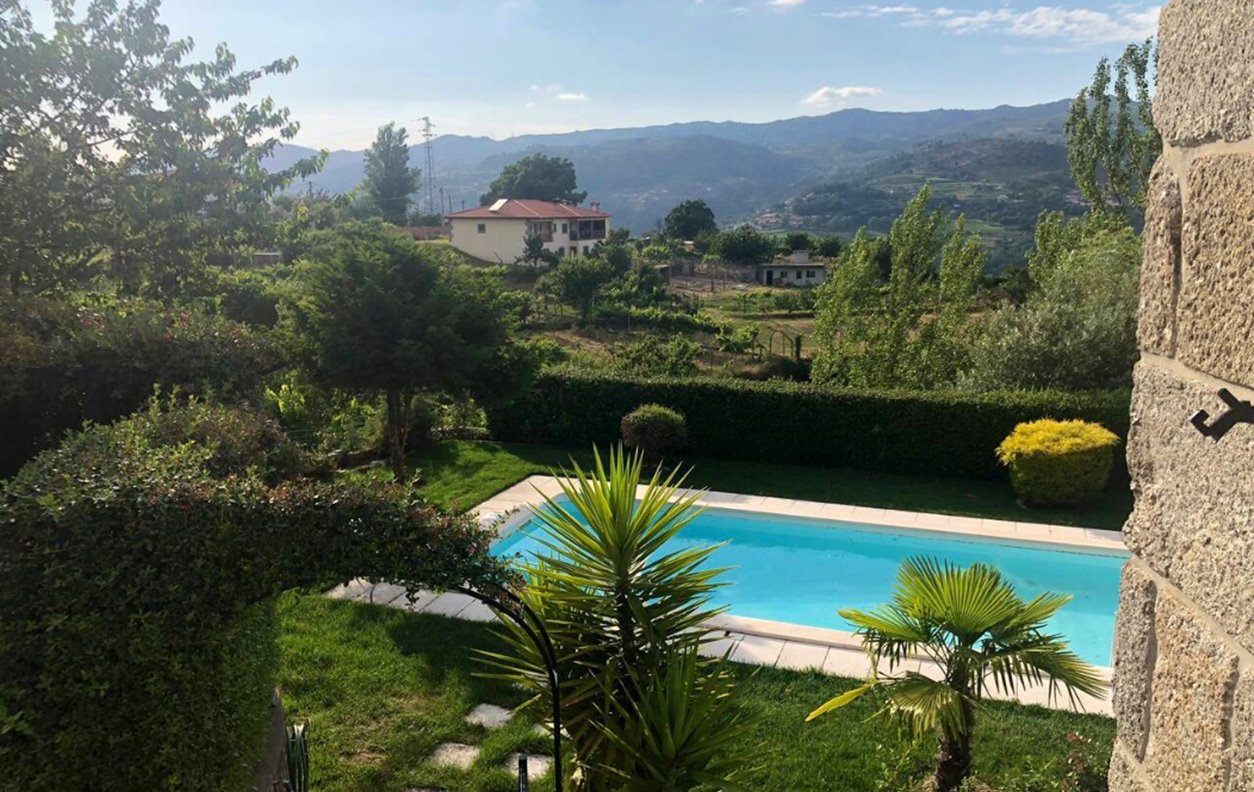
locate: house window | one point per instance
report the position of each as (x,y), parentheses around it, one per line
(483,228)
(809,273)
(561,251)
(563,228)
(585,250)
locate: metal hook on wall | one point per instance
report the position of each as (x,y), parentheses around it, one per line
(1238,412)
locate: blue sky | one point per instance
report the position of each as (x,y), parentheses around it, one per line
(502,67)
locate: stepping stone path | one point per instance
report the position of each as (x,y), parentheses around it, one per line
(489,716)
(455,755)
(537,764)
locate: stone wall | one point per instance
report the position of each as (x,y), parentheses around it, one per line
(1184,643)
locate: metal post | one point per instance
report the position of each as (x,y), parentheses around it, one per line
(522,774)
(517,611)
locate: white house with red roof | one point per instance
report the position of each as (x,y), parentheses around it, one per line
(498,232)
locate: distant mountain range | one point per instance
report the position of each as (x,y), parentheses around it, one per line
(770,170)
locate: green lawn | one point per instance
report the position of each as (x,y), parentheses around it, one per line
(461,474)
(381,688)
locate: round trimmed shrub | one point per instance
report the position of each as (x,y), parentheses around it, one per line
(655,431)
(1058,463)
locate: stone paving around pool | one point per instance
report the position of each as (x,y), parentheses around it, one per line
(758,641)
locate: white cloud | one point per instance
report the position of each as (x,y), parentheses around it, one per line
(552,92)
(1079,26)
(1076,24)
(828,96)
(787,3)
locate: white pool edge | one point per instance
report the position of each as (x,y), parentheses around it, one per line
(530,492)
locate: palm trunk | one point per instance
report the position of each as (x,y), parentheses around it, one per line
(398,429)
(953,759)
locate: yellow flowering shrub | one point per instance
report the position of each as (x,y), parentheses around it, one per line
(1058,463)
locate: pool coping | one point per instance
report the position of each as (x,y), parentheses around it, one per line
(763,642)
(514,504)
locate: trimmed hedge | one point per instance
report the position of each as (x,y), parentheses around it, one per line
(933,432)
(137,574)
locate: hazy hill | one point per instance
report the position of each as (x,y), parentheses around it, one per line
(738,168)
(1000,184)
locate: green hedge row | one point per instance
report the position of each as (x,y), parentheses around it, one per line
(934,432)
(138,566)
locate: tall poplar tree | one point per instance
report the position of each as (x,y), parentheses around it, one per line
(390,182)
(1112,142)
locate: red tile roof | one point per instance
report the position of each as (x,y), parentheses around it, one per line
(527,209)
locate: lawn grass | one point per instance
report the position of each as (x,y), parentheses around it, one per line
(461,474)
(381,688)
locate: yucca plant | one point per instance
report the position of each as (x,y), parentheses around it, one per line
(678,733)
(624,615)
(983,636)
(298,758)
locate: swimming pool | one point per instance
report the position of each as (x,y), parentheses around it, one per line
(801,570)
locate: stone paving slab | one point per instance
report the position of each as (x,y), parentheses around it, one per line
(537,765)
(489,716)
(457,755)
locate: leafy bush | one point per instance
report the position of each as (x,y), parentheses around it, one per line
(70,361)
(738,340)
(1058,463)
(655,431)
(1077,328)
(792,301)
(933,433)
(136,639)
(248,296)
(662,318)
(651,356)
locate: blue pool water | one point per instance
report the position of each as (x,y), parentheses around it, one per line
(797,570)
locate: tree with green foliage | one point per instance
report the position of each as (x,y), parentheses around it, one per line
(1112,150)
(829,246)
(121,161)
(743,245)
(536,176)
(579,280)
(641,286)
(617,254)
(372,312)
(910,331)
(535,254)
(389,180)
(688,219)
(625,612)
(797,240)
(1076,328)
(982,634)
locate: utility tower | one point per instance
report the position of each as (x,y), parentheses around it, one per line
(427,137)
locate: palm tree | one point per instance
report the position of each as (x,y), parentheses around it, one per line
(624,614)
(973,625)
